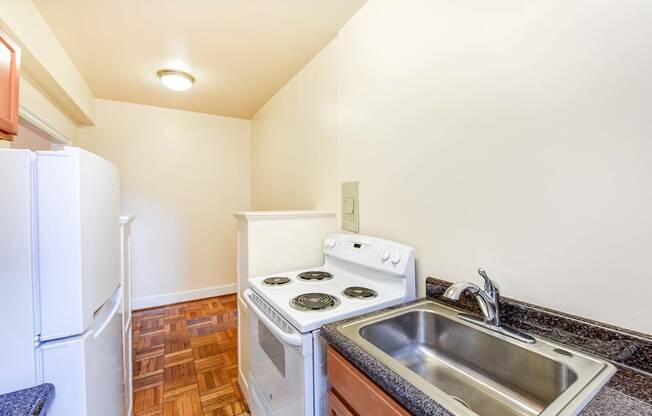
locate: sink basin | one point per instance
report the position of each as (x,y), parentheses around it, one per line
(472,370)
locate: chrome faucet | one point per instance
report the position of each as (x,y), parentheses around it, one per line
(489,303)
(488,299)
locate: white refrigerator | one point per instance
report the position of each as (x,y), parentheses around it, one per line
(60,288)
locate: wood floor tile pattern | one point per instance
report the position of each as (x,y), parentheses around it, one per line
(185,360)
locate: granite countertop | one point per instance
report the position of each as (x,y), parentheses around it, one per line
(33,401)
(629,392)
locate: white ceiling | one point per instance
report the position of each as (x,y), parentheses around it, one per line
(240,51)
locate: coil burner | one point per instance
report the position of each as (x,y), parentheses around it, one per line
(277,281)
(312,276)
(314,302)
(357,292)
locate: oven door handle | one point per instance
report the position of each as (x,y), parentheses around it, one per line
(292,339)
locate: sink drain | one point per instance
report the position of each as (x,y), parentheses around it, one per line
(462,402)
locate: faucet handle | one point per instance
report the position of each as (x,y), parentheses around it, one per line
(489,285)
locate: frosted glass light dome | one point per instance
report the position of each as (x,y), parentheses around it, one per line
(176,80)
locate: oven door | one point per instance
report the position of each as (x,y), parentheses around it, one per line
(280,359)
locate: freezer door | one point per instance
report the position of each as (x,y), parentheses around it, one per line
(87,370)
(78,206)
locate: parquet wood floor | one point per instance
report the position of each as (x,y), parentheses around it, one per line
(185,360)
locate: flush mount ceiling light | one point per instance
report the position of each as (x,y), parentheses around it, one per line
(176,80)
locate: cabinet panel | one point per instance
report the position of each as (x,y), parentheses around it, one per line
(362,395)
(128,370)
(125,234)
(336,407)
(243,348)
(9,67)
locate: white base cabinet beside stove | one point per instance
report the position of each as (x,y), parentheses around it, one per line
(243,347)
(269,242)
(125,265)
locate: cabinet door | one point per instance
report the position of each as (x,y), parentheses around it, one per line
(361,395)
(9,64)
(125,238)
(336,407)
(243,348)
(128,370)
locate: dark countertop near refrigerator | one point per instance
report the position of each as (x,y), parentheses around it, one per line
(629,392)
(33,401)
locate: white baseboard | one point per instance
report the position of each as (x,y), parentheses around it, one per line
(176,297)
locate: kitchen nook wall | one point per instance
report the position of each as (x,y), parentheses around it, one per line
(183,175)
(294,136)
(514,136)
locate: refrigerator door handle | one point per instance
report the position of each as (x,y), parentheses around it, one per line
(107,311)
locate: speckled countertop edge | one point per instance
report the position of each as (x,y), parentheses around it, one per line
(33,401)
(629,392)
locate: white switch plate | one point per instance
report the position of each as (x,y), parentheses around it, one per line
(350,207)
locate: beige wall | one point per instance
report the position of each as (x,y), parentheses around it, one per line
(43,111)
(513,136)
(183,174)
(31,138)
(36,101)
(45,60)
(52,92)
(294,141)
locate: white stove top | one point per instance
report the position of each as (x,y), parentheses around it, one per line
(390,291)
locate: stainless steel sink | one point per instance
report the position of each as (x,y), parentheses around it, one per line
(472,370)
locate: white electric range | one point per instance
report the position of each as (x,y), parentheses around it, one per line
(287,355)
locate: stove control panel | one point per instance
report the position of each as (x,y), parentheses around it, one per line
(376,253)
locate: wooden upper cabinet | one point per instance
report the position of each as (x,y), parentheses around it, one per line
(9,78)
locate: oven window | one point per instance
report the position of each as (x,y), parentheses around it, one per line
(272,347)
